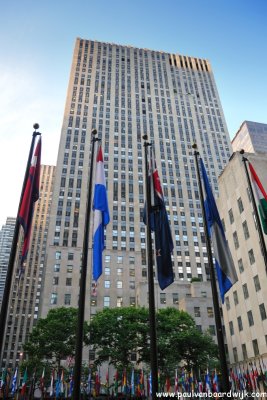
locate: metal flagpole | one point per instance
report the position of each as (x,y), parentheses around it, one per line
(218,322)
(79,331)
(261,237)
(13,250)
(152,314)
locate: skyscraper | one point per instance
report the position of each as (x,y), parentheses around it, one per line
(251,137)
(125,92)
(6,237)
(25,300)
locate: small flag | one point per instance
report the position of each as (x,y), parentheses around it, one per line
(159,223)
(101,215)
(89,382)
(225,268)
(215,382)
(260,195)
(42,383)
(14,382)
(71,383)
(207,382)
(176,382)
(30,196)
(52,383)
(24,383)
(116,384)
(132,383)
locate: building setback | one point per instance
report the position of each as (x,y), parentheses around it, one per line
(6,237)
(245,308)
(251,137)
(25,301)
(125,92)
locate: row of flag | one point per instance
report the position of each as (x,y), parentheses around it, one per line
(158,220)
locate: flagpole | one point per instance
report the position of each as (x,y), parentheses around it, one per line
(151,295)
(261,237)
(13,251)
(218,322)
(79,331)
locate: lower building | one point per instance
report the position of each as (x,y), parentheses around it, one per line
(6,238)
(245,308)
(25,298)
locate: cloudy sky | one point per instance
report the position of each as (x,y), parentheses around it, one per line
(37,40)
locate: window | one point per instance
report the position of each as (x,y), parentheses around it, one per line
(250,318)
(107,271)
(70,256)
(235,354)
(68,281)
(132,301)
(197,311)
(212,330)
(231,328)
(162,298)
(231,216)
(245,229)
(244,351)
(107,284)
(119,260)
(93,301)
(227,303)
(262,311)
(67,299)
(236,242)
(235,297)
(255,347)
(53,298)
(107,259)
(58,255)
(240,205)
(245,291)
(240,265)
(240,324)
(257,283)
(55,280)
(132,284)
(119,301)
(251,256)
(175,298)
(210,312)
(69,268)
(56,267)
(119,271)
(119,284)
(106,301)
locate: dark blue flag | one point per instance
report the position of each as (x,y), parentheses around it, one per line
(159,223)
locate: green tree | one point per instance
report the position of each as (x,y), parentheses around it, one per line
(117,333)
(53,337)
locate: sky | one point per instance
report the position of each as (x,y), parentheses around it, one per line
(37,41)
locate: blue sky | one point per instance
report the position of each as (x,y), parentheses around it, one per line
(37,40)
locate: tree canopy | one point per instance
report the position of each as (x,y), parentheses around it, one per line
(117,333)
(53,337)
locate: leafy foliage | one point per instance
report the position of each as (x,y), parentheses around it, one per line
(53,337)
(117,333)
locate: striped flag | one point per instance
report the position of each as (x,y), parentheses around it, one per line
(261,196)
(14,382)
(101,215)
(24,383)
(30,196)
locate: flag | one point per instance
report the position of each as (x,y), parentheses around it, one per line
(24,383)
(215,382)
(132,383)
(101,215)
(3,378)
(116,384)
(225,268)
(14,382)
(42,383)
(261,196)
(30,196)
(176,382)
(89,382)
(71,383)
(207,382)
(159,223)
(52,383)
(58,385)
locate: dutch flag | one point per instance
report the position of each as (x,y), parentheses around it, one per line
(101,215)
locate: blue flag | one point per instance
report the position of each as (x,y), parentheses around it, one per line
(159,223)
(101,215)
(225,268)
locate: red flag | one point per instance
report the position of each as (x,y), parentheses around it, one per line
(30,196)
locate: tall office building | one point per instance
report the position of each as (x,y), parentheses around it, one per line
(125,92)
(25,300)
(245,308)
(6,237)
(251,137)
